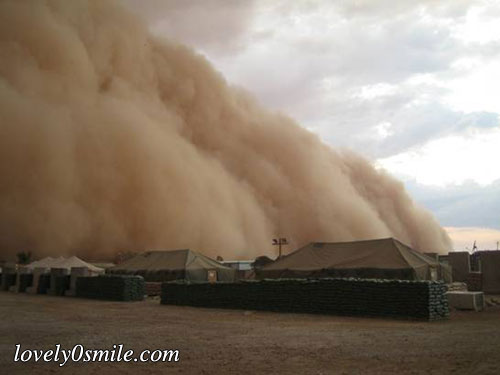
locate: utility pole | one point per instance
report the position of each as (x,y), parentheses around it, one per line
(279,242)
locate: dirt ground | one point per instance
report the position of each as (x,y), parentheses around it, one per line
(213,341)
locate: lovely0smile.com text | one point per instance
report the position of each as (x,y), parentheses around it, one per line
(79,353)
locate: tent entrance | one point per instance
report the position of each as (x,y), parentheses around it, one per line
(212,276)
(434,274)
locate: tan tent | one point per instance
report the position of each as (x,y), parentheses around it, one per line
(385,258)
(175,265)
(62,262)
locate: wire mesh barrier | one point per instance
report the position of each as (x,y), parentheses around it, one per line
(423,300)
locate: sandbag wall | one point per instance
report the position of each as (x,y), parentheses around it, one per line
(423,300)
(111,287)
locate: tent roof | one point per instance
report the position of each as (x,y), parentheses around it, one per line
(173,260)
(77,262)
(385,253)
(62,262)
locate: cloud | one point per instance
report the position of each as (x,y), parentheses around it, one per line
(112,139)
(451,160)
(314,61)
(213,26)
(476,88)
(412,84)
(388,8)
(462,205)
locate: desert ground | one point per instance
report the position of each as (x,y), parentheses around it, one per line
(213,341)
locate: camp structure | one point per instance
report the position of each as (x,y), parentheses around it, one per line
(175,265)
(67,263)
(385,258)
(42,275)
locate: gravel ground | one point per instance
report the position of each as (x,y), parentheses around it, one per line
(245,342)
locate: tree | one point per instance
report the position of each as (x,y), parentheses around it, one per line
(24,257)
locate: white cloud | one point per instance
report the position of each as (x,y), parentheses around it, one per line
(481,23)
(383,130)
(369,92)
(477,89)
(451,160)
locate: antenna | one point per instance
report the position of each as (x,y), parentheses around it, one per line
(278,242)
(474,247)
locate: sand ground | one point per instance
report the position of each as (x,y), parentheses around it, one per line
(213,341)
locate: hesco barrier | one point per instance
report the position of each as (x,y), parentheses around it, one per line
(25,281)
(61,284)
(44,284)
(424,300)
(8,279)
(111,287)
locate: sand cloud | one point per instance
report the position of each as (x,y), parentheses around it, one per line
(112,139)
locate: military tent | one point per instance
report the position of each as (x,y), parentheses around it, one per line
(385,258)
(175,265)
(62,262)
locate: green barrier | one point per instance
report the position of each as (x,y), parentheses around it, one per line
(25,281)
(111,287)
(44,283)
(8,279)
(61,284)
(424,300)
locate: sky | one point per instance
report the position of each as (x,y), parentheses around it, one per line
(411,85)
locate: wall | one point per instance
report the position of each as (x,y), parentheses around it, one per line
(43,283)
(423,300)
(490,268)
(460,263)
(59,284)
(8,279)
(24,281)
(111,287)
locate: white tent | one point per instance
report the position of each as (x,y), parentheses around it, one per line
(62,262)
